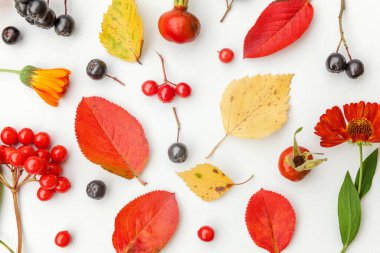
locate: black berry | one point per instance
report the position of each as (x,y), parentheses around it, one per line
(23,1)
(21,8)
(96,189)
(30,20)
(10,35)
(177,152)
(64,25)
(96,69)
(48,21)
(37,9)
(355,68)
(336,63)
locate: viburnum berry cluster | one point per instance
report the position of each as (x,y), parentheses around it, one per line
(29,159)
(166,91)
(37,12)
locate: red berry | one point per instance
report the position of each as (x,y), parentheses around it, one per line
(33,165)
(16,158)
(26,136)
(27,150)
(183,90)
(63,239)
(55,168)
(44,154)
(59,154)
(149,88)
(45,168)
(206,234)
(48,181)
(63,185)
(226,55)
(44,194)
(9,136)
(7,151)
(42,140)
(166,93)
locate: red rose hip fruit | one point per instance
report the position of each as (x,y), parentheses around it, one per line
(178,25)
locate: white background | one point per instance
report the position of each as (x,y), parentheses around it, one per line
(313,91)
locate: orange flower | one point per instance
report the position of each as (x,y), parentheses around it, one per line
(50,84)
(360,123)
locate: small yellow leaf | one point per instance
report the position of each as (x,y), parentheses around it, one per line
(122,30)
(207,181)
(255,107)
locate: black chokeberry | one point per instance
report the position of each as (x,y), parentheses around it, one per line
(96,69)
(23,1)
(21,8)
(96,189)
(30,20)
(177,152)
(64,25)
(37,9)
(10,35)
(355,68)
(336,63)
(48,21)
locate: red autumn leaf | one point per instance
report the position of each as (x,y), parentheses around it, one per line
(270,220)
(146,224)
(278,26)
(111,137)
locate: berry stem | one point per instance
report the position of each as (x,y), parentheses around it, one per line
(342,37)
(178,123)
(11,71)
(217,146)
(141,180)
(18,219)
(246,181)
(229,7)
(65,7)
(115,79)
(163,67)
(6,246)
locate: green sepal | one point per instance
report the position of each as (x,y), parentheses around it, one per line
(181,3)
(26,74)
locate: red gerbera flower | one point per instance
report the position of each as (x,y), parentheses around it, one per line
(360,123)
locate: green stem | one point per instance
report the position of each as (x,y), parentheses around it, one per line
(361,167)
(11,71)
(6,246)
(344,249)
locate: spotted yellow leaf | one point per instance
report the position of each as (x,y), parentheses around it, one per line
(122,30)
(207,181)
(255,107)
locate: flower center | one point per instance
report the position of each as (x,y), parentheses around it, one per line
(360,127)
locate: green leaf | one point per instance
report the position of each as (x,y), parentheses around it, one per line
(369,169)
(349,211)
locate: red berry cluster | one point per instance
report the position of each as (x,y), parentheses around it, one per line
(166,91)
(29,152)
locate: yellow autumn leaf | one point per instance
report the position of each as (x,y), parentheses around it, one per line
(207,181)
(255,107)
(122,30)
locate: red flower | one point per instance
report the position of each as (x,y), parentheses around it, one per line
(360,123)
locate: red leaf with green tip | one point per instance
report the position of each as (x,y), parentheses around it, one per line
(279,25)
(146,224)
(270,220)
(111,137)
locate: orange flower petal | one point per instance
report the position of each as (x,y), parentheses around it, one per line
(59,72)
(47,98)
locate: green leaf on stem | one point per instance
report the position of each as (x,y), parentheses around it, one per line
(349,211)
(369,169)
